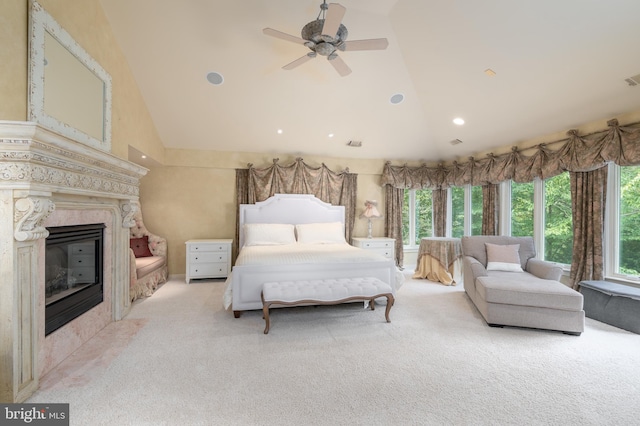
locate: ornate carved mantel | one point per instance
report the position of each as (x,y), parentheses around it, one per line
(42,172)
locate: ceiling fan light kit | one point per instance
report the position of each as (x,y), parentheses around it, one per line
(326,36)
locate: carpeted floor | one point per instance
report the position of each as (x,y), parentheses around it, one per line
(180,359)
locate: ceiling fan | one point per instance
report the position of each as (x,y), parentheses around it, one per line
(326,36)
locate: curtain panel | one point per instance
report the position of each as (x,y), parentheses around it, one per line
(490,208)
(258,184)
(394,199)
(588,199)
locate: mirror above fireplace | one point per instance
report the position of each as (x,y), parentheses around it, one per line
(70,93)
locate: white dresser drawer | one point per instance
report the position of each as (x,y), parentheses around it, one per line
(388,253)
(209,256)
(377,244)
(208,270)
(207,247)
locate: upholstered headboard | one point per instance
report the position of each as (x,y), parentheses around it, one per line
(289,208)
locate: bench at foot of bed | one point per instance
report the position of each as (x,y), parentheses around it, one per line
(324,292)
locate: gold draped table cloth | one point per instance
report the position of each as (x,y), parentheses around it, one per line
(440,260)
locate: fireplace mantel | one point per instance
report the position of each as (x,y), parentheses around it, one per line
(42,172)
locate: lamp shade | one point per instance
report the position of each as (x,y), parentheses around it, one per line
(370,211)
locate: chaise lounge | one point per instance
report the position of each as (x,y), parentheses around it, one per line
(511,288)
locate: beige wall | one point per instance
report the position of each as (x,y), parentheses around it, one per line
(194,195)
(86,22)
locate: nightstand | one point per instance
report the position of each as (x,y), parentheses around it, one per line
(208,259)
(382,245)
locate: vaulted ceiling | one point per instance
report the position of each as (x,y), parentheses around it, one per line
(557,65)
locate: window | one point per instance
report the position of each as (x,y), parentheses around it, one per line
(558,223)
(521,209)
(457,211)
(417,216)
(476,210)
(629,221)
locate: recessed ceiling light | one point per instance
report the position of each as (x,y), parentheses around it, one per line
(215,78)
(459,121)
(143,156)
(397,98)
(279,131)
(489,72)
(331,135)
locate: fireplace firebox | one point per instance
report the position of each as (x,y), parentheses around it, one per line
(73,272)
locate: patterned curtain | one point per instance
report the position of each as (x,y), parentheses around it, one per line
(340,189)
(490,208)
(394,199)
(618,144)
(439,198)
(588,197)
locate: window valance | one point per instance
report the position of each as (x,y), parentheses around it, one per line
(618,144)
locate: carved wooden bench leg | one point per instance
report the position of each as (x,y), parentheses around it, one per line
(236,314)
(265,314)
(390,302)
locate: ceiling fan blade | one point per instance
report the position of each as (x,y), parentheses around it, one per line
(284,36)
(370,44)
(342,68)
(298,62)
(332,21)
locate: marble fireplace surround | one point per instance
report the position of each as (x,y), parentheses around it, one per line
(49,180)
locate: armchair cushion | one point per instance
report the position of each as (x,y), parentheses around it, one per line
(140,246)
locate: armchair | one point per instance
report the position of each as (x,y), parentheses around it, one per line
(148,260)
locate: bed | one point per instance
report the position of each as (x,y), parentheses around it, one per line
(291,237)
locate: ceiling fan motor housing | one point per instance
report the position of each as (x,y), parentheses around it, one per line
(323,44)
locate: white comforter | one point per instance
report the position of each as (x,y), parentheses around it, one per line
(289,254)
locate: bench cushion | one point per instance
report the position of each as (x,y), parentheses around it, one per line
(327,290)
(524,289)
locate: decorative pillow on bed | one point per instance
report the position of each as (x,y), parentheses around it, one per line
(503,257)
(268,234)
(321,233)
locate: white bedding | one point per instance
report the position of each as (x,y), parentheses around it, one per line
(296,253)
(289,254)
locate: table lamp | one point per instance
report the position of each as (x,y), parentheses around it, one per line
(370,212)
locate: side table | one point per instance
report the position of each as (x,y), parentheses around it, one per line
(384,246)
(439,259)
(208,259)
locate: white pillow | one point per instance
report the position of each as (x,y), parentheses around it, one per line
(321,233)
(503,257)
(268,234)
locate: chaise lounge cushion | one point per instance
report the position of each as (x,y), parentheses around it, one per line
(527,290)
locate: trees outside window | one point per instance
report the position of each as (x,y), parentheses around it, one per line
(522,209)
(476,210)
(417,216)
(457,211)
(629,221)
(558,222)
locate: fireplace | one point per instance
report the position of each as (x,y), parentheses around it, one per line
(73,272)
(49,183)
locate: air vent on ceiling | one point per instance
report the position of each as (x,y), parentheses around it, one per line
(455,142)
(355,144)
(633,81)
